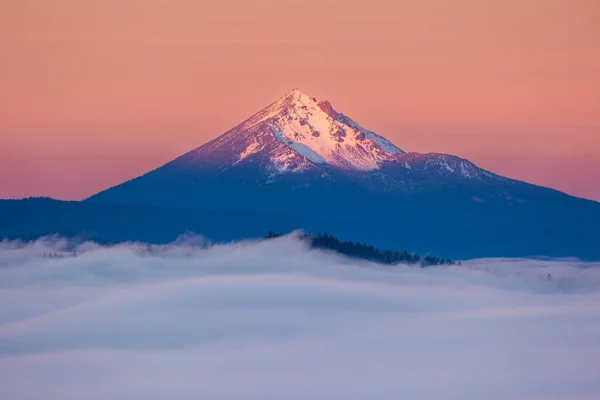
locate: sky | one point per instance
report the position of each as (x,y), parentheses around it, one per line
(284,321)
(96,92)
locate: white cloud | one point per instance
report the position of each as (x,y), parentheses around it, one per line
(274,319)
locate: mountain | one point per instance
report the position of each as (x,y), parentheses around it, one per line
(299,163)
(299,146)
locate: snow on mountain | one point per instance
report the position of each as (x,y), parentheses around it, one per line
(444,164)
(316,131)
(297,133)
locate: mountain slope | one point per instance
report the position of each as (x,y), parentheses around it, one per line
(31,218)
(300,159)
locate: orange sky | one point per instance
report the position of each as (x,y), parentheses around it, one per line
(94,92)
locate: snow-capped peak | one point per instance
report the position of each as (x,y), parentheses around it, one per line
(316,131)
(298,133)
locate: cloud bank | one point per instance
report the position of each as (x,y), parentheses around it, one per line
(278,320)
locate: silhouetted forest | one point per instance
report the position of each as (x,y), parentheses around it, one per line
(368,252)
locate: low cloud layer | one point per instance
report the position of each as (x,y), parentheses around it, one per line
(277,320)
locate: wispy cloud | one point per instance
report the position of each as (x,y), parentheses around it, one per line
(275,319)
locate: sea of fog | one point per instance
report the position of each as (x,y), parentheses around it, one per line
(278,320)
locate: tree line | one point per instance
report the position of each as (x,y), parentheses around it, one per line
(368,252)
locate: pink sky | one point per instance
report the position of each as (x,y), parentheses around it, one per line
(96,92)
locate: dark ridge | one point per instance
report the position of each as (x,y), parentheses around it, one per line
(368,252)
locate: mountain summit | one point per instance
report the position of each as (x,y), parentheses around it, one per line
(300,163)
(297,134)
(310,132)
